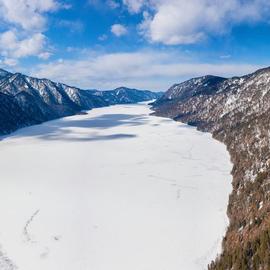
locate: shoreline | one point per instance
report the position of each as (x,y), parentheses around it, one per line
(159,175)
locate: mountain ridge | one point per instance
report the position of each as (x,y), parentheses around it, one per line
(236,112)
(26,100)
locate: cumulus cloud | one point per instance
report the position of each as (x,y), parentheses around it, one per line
(143,69)
(11,47)
(174,22)
(119,30)
(27,14)
(25,22)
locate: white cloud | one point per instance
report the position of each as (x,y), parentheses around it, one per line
(175,22)
(12,47)
(44,55)
(27,14)
(225,56)
(104,4)
(25,22)
(119,30)
(113,4)
(103,37)
(144,69)
(134,6)
(72,25)
(9,62)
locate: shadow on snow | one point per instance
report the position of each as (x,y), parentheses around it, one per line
(64,129)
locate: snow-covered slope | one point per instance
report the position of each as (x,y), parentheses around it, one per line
(237,113)
(39,100)
(116,189)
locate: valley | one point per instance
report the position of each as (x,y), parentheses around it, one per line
(113,189)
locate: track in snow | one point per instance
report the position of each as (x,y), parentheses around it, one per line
(116,189)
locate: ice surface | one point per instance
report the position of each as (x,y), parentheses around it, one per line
(116,189)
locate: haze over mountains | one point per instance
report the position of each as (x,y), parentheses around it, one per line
(26,101)
(236,111)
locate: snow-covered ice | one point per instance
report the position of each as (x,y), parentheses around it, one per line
(116,189)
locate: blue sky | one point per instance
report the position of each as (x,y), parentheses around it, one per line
(147,44)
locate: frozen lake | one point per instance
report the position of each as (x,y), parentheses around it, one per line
(116,189)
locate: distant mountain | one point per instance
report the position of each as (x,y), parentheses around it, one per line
(123,95)
(25,100)
(236,111)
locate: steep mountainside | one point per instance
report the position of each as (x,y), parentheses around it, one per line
(207,84)
(236,111)
(25,100)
